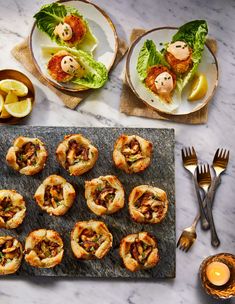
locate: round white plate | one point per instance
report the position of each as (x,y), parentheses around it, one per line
(179,105)
(101,26)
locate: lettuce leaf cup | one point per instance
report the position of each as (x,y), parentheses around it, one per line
(66,26)
(154,71)
(68,65)
(184,53)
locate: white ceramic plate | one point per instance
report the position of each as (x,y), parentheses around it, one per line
(101,26)
(180,105)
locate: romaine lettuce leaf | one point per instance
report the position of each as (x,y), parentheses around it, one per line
(51,15)
(96,73)
(194,34)
(148,56)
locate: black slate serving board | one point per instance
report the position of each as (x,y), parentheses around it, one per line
(160,173)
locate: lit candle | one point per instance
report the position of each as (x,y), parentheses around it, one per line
(218,273)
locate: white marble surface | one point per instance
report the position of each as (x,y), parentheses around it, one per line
(101,109)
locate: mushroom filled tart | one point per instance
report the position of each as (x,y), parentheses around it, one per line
(11,254)
(104,195)
(27,155)
(148,204)
(76,154)
(12,209)
(132,153)
(90,239)
(55,195)
(44,248)
(139,251)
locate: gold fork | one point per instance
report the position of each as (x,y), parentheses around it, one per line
(204,181)
(188,235)
(220,163)
(189,158)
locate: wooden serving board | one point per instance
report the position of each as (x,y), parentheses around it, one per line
(161,173)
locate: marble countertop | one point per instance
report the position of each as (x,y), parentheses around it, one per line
(102,109)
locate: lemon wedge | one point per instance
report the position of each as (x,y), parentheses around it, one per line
(19,109)
(199,87)
(11,97)
(3,112)
(1,103)
(14,86)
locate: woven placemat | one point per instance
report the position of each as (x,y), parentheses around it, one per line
(22,53)
(131,105)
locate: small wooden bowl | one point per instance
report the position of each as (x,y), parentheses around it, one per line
(16,75)
(220,292)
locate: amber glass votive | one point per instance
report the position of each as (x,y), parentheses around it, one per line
(217,274)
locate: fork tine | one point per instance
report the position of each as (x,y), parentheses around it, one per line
(227,156)
(204,169)
(183,153)
(221,153)
(187,249)
(193,151)
(182,247)
(177,245)
(187,151)
(216,155)
(190,151)
(198,170)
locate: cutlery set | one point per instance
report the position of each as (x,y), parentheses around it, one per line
(205,186)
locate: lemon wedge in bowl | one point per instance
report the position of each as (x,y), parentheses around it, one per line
(19,109)
(3,112)
(199,87)
(11,97)
(14,86)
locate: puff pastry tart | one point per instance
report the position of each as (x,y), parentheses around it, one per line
(104,195)
(43,248)
(11,254)
(132,153)
(139,251)
(55,195)
(12,209)
(27,155)
(90,239)
(76,154)
(148,204)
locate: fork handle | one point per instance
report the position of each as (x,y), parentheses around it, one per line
(215,242)
(210,198)
(204,221)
